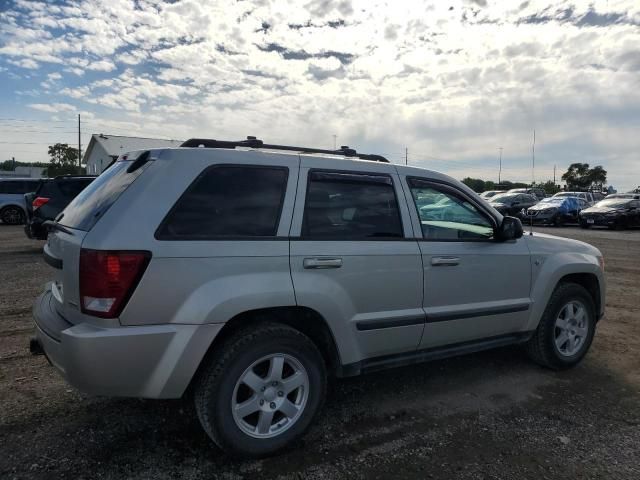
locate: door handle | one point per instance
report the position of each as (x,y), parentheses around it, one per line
(445,261)
(320,262)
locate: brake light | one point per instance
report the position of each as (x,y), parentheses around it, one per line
(38,202)
(108,279)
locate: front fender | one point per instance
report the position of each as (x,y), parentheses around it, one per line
(549,271)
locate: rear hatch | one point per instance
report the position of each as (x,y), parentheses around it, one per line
(64,243)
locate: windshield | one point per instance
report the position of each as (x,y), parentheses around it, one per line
(566,194)
(505,197)
(552,201)
(613,202)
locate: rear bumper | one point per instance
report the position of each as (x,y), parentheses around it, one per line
(155,361)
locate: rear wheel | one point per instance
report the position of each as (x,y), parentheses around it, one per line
(12,215)
(261,390)
(558,221)
(566,329)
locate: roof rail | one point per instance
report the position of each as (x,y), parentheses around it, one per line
(253,142)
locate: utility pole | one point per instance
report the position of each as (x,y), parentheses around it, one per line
(406,156)
(13,159)
(79,146)
(554,175)
(334,141)
(533,159)
(500,168)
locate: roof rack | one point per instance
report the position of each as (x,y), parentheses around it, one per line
(253,142)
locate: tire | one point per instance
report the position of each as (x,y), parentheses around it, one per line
(543,347)
(558,222)
(219,388)
(12,215)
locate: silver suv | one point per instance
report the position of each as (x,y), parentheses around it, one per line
(247,274)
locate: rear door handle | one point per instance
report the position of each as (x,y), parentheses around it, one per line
(445,261)
(321,262)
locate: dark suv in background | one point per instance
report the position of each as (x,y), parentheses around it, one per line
(51,197)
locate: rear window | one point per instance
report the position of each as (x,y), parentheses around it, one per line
(228,201)
(92,202)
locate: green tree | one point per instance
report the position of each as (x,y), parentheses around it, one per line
(580,177)
(64,160)
(475,184)
(598,177)
(549,187)
(577,176)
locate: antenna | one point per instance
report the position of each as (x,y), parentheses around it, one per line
(533,159)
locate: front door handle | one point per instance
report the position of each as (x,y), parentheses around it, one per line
(322,262)
(445,261)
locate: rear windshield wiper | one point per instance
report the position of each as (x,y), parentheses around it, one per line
(53,225)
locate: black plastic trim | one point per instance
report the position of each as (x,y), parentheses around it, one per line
(479,312)
(53,261)
(425,355)
(366,325)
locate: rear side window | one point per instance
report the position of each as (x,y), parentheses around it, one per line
(19,187)
(86,209)
(228,201)
(351,206)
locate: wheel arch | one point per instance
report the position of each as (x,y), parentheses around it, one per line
(590,283)
(303,319)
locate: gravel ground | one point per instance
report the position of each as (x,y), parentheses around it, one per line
(482,416)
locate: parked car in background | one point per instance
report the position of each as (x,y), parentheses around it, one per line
(157,289)
(539,193)
(619,211)
(556,211)
(491,193)
(13,209)
(512,203)
(51,197)
(597,196)
(586,196)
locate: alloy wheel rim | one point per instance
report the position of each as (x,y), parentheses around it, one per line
(571,328)
(270,396)
(12,216)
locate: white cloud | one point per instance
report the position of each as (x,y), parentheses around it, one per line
(452,81)
(52,107)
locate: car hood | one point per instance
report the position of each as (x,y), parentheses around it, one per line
(543,243)
(602,210)
(543,207)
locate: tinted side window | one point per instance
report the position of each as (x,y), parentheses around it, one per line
(228,201)
(445,215)
(12,187)
(350,206)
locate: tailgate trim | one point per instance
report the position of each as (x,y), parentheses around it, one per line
(53,261)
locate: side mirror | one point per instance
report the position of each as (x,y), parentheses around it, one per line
(510,229)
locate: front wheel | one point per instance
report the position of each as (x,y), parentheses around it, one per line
(261,390)
(566,329)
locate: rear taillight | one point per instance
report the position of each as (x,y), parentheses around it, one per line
(108,279)
(38,202)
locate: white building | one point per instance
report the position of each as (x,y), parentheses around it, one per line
(104,149)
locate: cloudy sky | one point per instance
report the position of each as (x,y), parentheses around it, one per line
(450,81)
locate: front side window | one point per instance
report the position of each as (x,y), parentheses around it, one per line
(351,206)
(228,201)
(445,215)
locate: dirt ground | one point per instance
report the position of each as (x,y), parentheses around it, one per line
(492,415)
